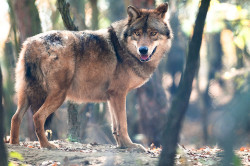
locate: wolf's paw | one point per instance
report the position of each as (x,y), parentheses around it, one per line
(14,142)
(137,148)
(134,148)
(49,146)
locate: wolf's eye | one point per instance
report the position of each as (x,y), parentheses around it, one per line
(137,33)
(153,33)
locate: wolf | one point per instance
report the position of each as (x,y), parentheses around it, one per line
(90,66)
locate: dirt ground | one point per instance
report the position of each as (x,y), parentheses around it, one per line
(78,154)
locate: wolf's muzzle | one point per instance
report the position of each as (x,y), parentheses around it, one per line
(145,57)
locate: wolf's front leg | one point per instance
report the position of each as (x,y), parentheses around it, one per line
(113,122)
(117,105)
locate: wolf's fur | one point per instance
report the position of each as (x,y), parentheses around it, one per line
(90,66)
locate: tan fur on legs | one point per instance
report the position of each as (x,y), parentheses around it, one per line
(118,105)
(51,104)
(17,118)
(113,122)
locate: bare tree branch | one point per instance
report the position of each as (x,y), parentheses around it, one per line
(63,8)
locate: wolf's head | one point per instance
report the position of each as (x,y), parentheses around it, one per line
(148,33)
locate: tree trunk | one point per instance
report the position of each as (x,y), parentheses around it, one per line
(240,58)
(8,91)
(3,154)
(26,17)
(176,55)
(147,4)
(214,56)
(152,109)
(95,14)
(73,121)
(63,8)
(116,10)
(180,102)
(236,118)
(28,20)
(14,28)
(78,11)
(205,105)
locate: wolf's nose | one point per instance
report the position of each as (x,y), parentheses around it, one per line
(143,50)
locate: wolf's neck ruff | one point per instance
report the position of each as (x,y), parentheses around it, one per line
(116,44)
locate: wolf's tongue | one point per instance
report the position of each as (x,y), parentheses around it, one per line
(144,57)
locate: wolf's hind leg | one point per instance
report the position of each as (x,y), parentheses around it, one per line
(53,101)
(16,120)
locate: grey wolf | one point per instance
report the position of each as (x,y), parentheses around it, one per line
(90,66)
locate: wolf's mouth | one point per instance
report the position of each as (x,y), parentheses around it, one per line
(146,57)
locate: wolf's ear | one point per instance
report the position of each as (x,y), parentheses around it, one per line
(133,13)
(162,9)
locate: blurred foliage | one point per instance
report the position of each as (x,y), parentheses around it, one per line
(236,161)
(71,138)
(16,155)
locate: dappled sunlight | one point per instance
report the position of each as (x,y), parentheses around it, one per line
(4,22)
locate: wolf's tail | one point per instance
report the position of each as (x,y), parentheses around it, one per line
(21,83)
(29,78)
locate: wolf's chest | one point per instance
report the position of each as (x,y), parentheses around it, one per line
(136,81)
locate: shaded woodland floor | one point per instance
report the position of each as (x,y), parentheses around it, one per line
(80,154)
(69,153)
